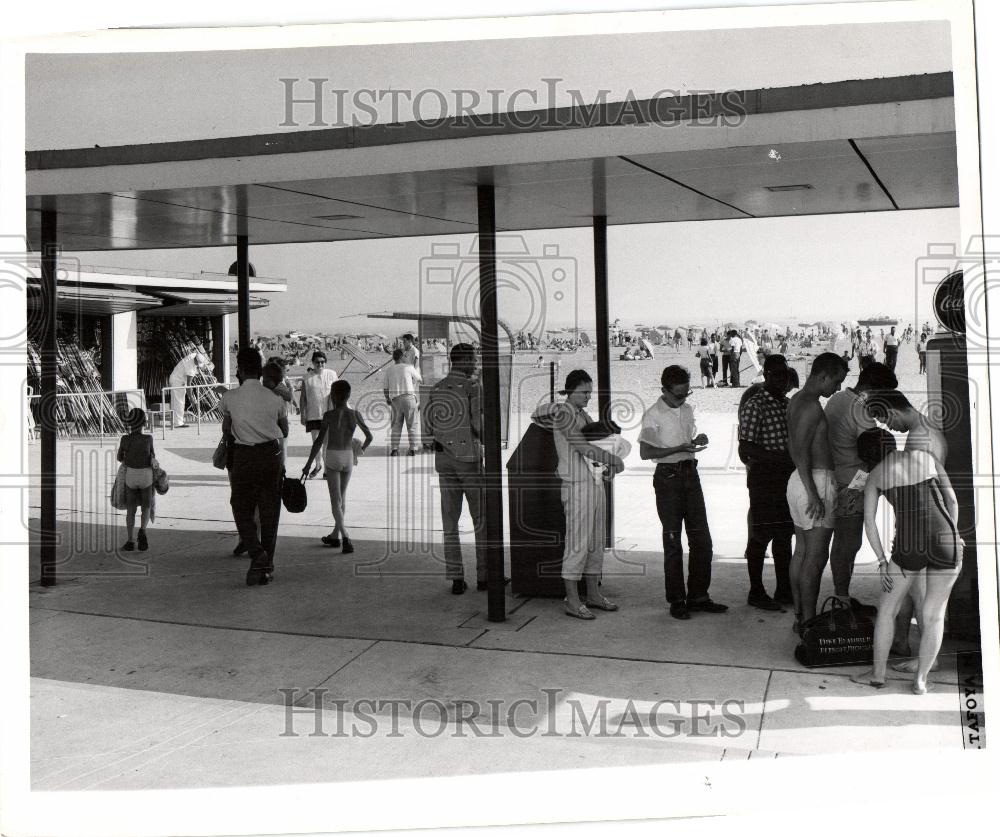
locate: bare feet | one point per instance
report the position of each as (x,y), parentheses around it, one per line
(867,678)
(911,666)
(919,687)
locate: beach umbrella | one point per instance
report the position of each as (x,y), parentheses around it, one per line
(647,346)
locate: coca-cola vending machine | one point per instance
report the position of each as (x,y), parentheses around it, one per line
(951,403)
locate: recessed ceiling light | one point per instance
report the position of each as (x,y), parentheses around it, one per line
(792,187)
(337,217)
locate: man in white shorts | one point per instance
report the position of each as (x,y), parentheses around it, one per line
(812,489)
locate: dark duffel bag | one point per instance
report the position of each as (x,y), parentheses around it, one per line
(837,636)
(293,494)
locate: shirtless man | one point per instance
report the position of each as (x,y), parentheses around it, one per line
(812,489)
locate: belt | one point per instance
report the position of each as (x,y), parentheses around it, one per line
(269,444)
(686,464)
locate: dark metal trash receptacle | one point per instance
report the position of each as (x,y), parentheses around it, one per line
(537,522)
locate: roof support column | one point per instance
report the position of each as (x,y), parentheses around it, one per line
(48,424)
(602,326)
(493,497)
(243,288)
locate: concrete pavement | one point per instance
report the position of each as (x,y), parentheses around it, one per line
(162,669)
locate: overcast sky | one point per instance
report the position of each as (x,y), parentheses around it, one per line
(829,267)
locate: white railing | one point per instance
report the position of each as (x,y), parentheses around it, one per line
(166,408)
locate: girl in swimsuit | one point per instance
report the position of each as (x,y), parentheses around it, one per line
(337,431)
(926,543)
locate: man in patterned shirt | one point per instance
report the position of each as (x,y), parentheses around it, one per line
(763,435)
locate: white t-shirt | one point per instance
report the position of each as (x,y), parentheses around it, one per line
(411,356)
(402,379)
(316,394)
(187,368)
(736,344)
(667,427)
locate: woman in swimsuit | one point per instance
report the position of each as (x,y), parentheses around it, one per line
(926,542)
(337,431)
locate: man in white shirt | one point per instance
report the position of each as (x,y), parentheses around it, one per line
(668,437)
(890,346)
(411,354)
(735,349)
(188,367)
(401,386)
(257,421)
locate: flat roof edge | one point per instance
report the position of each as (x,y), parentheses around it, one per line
(709,107)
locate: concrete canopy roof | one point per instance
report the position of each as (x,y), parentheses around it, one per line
(855,146)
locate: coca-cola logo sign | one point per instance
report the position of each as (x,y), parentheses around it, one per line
(949,303)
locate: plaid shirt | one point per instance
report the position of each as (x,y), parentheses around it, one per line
(764,421)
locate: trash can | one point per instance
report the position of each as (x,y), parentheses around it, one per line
(537,523)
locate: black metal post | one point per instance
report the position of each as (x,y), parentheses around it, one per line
(493,500)
(243,288)
(603,327)
(48,424)
(552,382)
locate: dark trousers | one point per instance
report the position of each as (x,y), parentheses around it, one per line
(256,487)
(890,356)
(680,501)
(734,369)
(770,523)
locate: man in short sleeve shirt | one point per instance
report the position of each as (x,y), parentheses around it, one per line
(763,436)
(670,439)
(257,421)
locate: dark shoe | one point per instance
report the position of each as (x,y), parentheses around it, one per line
(143,543)
(330,540)
(265,578)
(784,597)
(458,586)
(240,549)
(394,453)
(412,453)
(762,601)
(708,606)
(348,547)
(482,585)
(254,576)
(679,610)
(128,547)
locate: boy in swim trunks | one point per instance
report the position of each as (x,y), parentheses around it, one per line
(812,488)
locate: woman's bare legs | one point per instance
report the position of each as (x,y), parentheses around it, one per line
(885,625)
(319,463)
(935,602)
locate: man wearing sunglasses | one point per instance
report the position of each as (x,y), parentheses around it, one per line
(668,437)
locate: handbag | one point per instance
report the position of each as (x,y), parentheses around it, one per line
(220,459)
(161,480)
(837,636)
(293,494)
(119,496)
